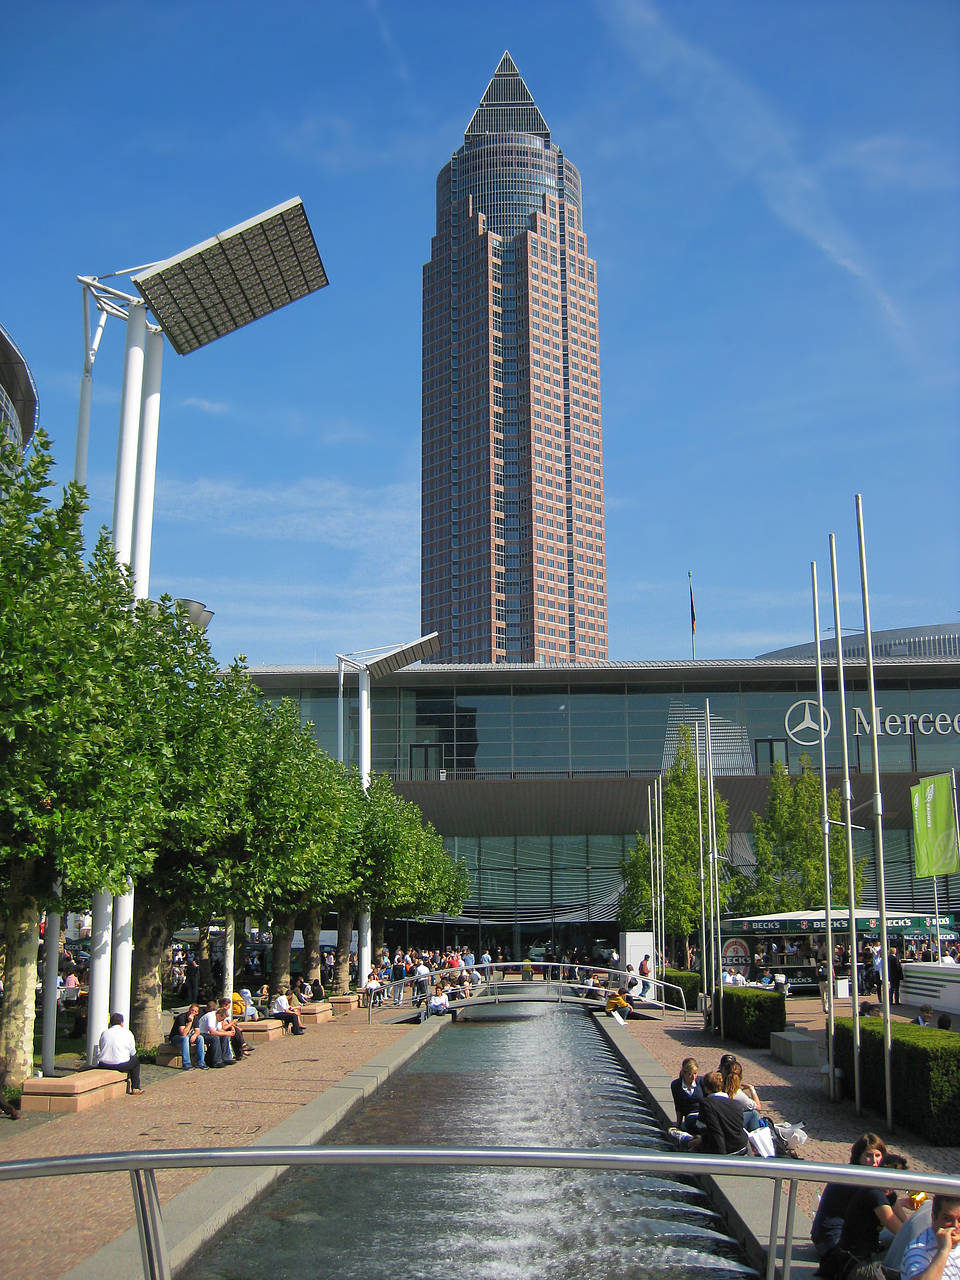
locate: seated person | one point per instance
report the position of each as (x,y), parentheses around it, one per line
(317,992)
(687,1093)
(719,1124)
(869,1210)
(619,1002)
(726,1061)
(766,978)
(216,1040)
(280,1008)
(305,991)
(935,1254)
(242,1007)
(373,990)
(229,1025)
(118,1052)
(747,1102)
(869,1149)
(438,1002)
(185,1036)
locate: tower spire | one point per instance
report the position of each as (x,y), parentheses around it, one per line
(507,106)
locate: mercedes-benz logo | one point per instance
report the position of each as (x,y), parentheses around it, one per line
(802,722)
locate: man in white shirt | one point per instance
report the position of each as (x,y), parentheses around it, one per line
(935,1254)
(422,984)
(118,1052)
(219,1052)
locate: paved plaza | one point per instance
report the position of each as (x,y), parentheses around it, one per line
(53,1224)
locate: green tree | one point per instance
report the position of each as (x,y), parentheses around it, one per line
(76,802)
(681,850)
(788,846)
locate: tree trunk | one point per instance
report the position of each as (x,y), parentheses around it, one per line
(312,955)
(151,931)
(203,959)
(376,940)
(341,970)
(283,927)
(19,1008)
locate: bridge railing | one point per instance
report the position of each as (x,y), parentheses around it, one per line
(504,982)
(142,1167)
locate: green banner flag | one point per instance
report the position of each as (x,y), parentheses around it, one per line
(934,827)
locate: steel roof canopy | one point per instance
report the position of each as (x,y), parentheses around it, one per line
(236,277)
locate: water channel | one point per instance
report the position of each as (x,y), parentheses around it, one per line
(548,1079)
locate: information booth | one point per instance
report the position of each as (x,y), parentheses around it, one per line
(793,944)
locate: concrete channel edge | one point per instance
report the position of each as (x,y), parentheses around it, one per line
(745,1204)
(189,1220)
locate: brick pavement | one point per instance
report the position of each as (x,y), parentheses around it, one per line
(51,1224)
(790,1093)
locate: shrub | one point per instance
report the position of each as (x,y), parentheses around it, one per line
(749,1015)
(688,981)
(924,1075)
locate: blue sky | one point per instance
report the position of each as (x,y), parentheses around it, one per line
(770,191)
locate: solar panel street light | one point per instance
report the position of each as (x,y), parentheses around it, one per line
(234,278)
(196,296)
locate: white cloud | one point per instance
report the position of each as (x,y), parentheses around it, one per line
(747,133)
(214,407)
(381,521)
(891,160)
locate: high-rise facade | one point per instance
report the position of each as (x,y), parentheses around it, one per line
(513,566)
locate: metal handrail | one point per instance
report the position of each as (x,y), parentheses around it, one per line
(498,988)
(142,1167)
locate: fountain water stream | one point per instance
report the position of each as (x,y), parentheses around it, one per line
(549,1079)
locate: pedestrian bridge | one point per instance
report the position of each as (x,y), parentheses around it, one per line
(522,982)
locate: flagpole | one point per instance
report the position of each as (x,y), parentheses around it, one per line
(848,826)
(653,886)
(877,818)
(703,907)
(832,1094)
(693,620)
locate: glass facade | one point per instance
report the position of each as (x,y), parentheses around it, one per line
(518,730)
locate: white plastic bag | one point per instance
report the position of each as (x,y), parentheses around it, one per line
(761,1142)
(793,1136)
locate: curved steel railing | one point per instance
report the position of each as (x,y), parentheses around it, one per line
(142,1167)
(509,981)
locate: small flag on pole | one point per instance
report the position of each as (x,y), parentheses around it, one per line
(693,619)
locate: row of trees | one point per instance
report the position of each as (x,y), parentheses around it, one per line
(787,871)
(125,752)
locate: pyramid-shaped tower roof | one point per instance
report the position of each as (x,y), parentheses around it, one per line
(507,106)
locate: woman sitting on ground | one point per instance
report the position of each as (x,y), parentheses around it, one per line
(870,1210)
(869,1149)
(748,1089)
(687,1094)
(733,1088)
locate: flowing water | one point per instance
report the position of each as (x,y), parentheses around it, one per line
(548,1080)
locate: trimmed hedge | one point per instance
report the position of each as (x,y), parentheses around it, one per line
(689,981)
(749,1015)
(924,1075)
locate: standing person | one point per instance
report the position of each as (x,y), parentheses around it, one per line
(191,980)
(895,972)
(421,986)
(118,1052)
(398,971)
(646,973)
(935,1254)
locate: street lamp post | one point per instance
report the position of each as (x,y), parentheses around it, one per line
(371,664)
(199,295)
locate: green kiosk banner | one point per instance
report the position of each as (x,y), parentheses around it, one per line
(934,827)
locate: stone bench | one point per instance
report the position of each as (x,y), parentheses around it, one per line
(343,1004)
(315,1012)
(794,1047)
(263,1030)
(76,1092)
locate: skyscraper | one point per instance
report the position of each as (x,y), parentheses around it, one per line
(513,566)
